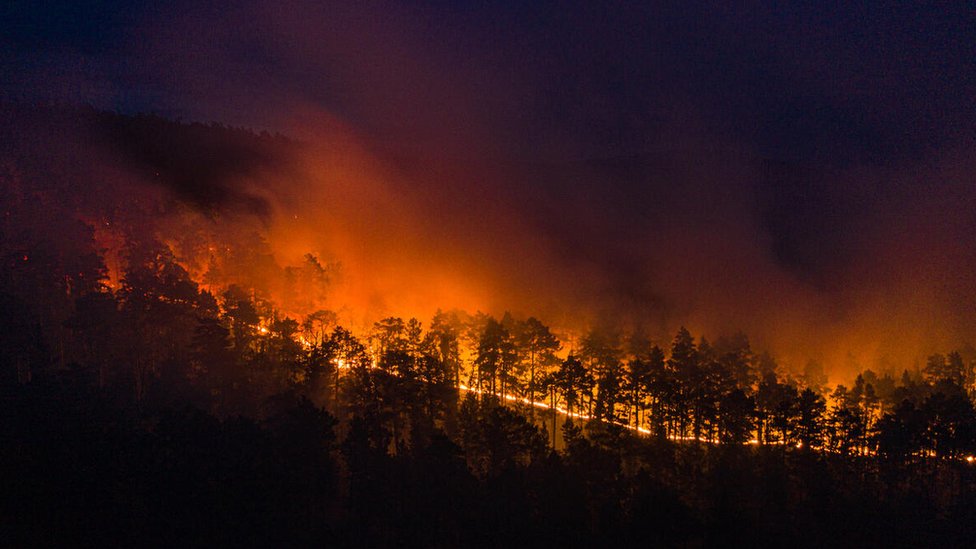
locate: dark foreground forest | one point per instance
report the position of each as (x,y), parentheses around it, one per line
(152,396)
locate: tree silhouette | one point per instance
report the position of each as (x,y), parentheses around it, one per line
(573,381)
(446,329)
(735,356)
(240,308)
(846,421)
(609,393)
(539,347)
(660,387)
(901,433)
(735,417)
(496,355)
(637,382)
(343,352)
(683,366)
(161,303)
(811,416)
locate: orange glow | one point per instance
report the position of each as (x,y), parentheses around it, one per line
(385,240)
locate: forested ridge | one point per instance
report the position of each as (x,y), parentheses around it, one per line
(153,395)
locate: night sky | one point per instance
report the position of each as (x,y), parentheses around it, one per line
(803,171)
(807,81)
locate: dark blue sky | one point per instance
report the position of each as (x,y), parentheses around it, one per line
(801,80)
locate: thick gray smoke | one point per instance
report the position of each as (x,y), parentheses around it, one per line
(746,172)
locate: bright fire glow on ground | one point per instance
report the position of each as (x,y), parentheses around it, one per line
(343,365)
(580,415)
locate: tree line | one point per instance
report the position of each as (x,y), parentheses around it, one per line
(160,338)
(152,406)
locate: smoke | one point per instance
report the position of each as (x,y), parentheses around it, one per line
(208,166)
(640,166)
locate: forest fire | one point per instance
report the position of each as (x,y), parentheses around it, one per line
(474,274)
(229,266)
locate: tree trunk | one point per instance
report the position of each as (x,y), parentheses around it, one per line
(532,386)
(552,400)
(335,392)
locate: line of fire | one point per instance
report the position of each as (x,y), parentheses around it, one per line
(179,369)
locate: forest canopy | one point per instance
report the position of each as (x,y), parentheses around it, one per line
(155,345)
